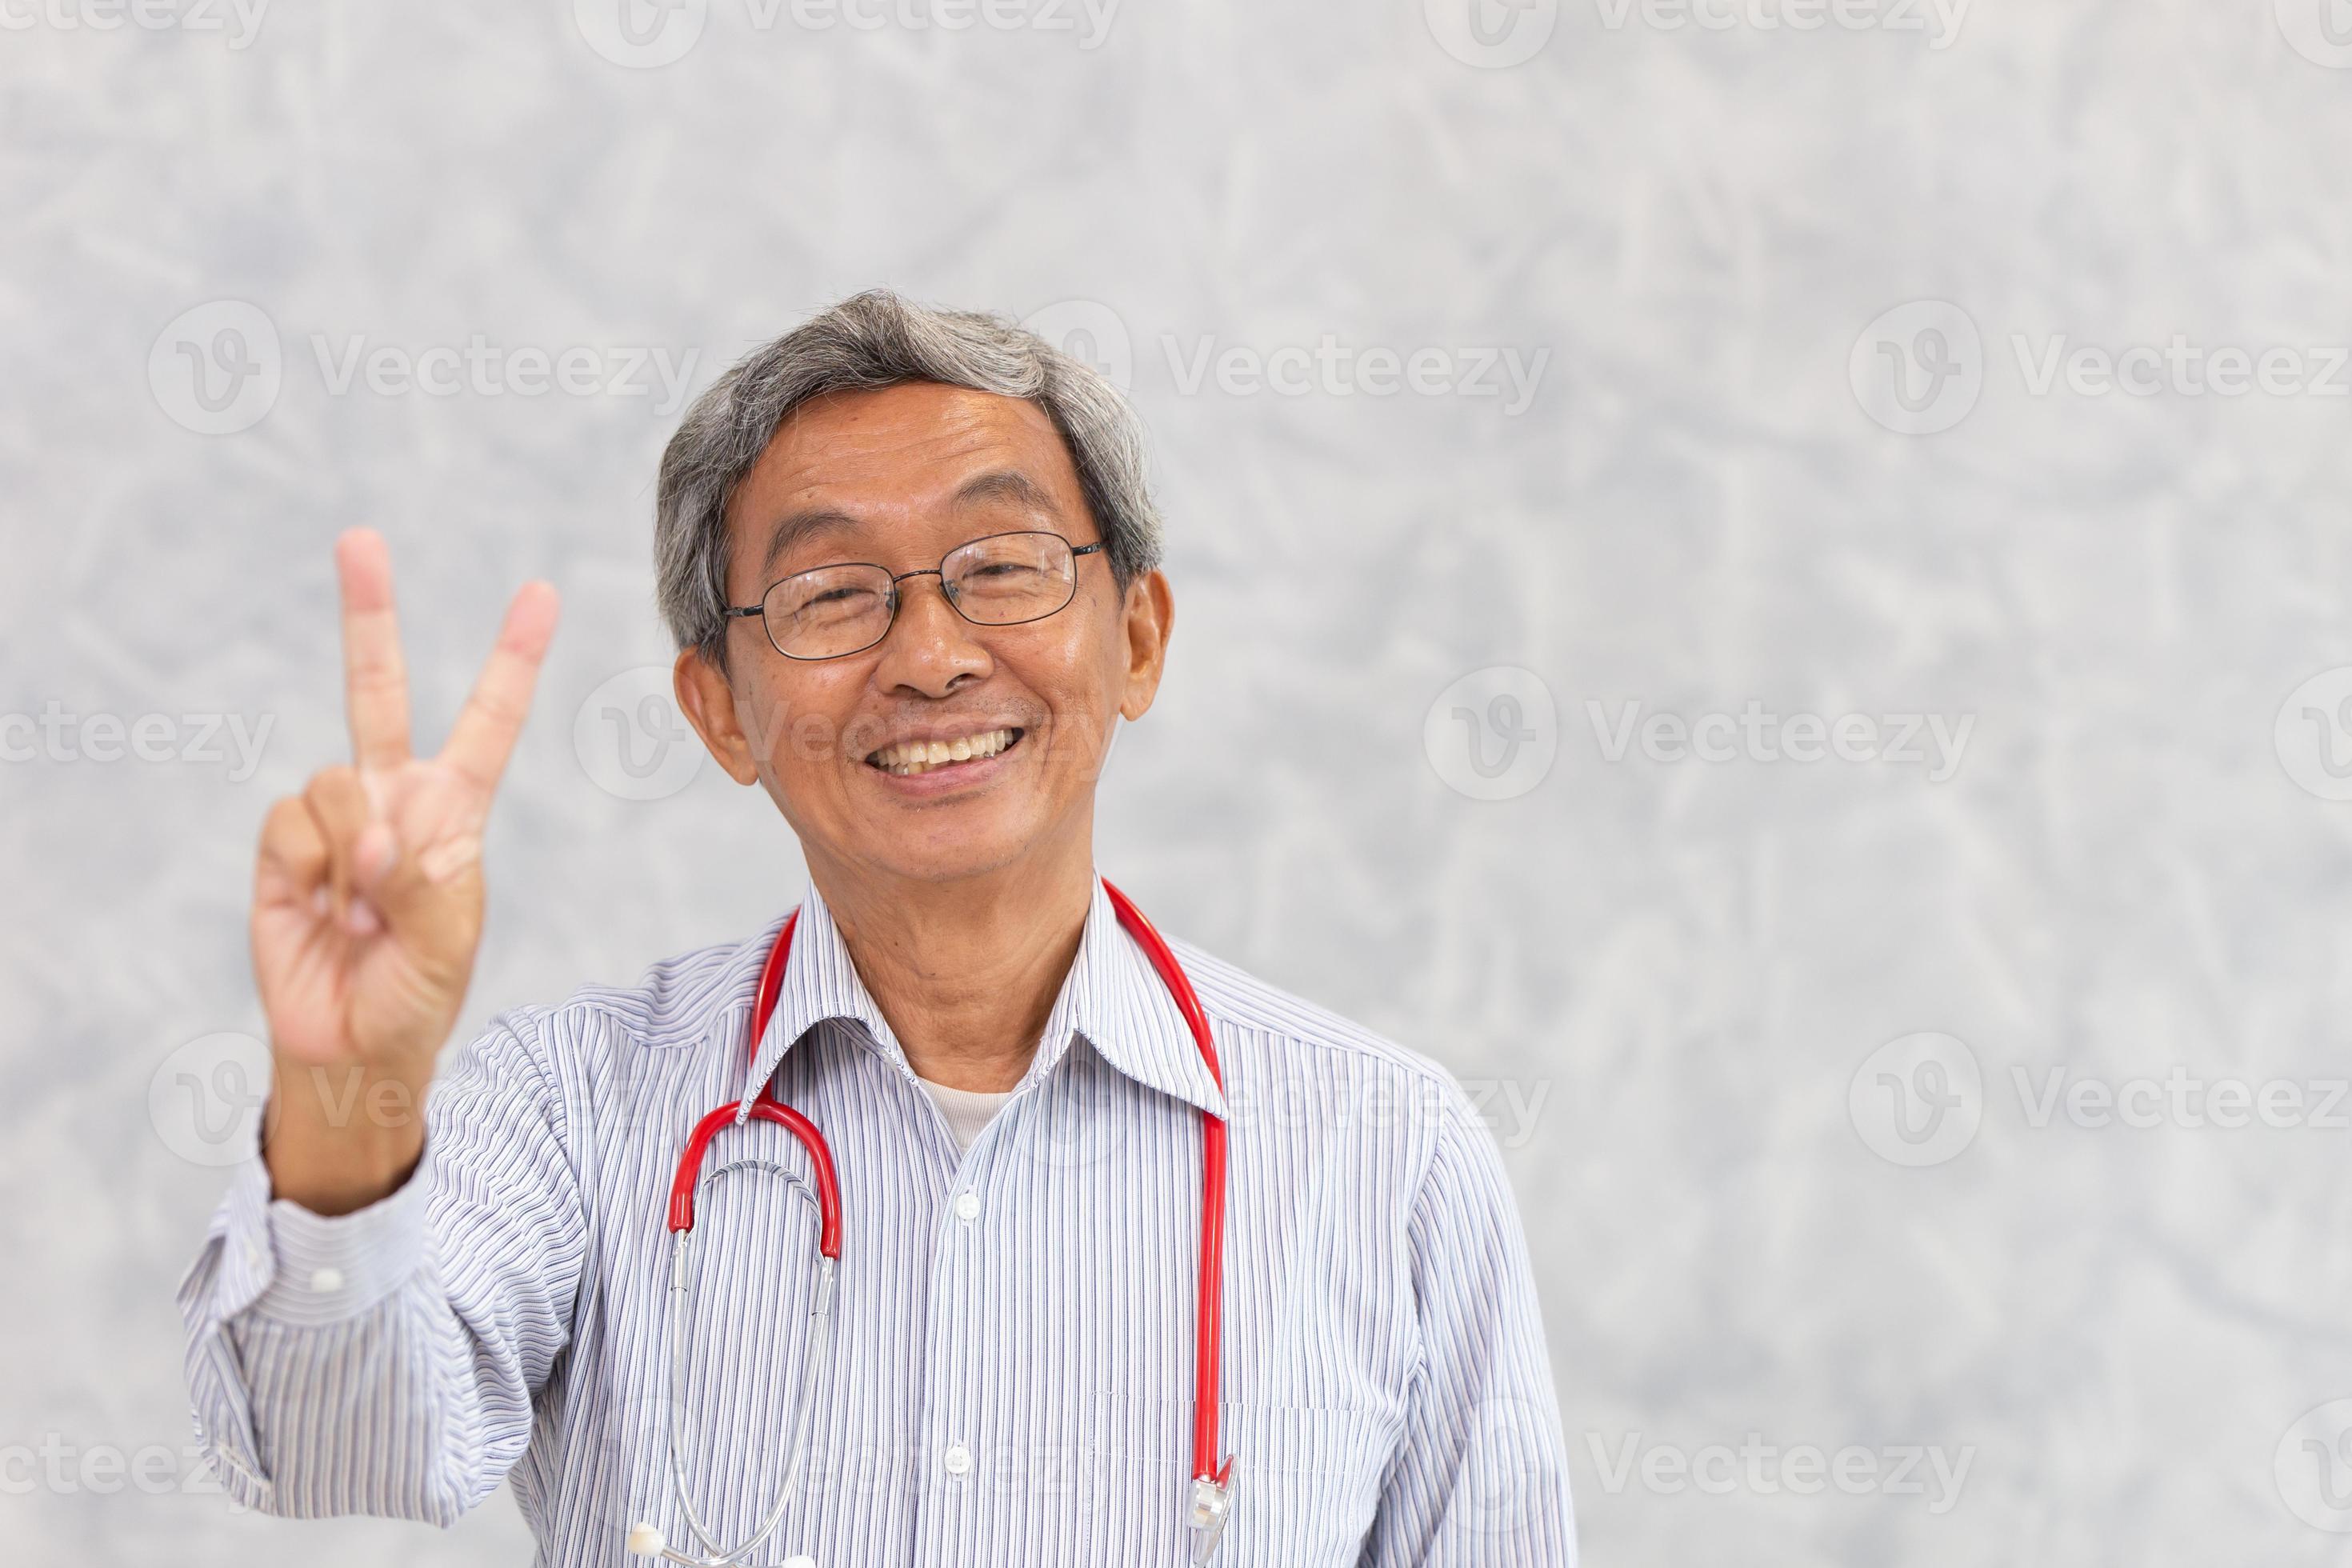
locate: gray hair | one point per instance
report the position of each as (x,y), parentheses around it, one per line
(874,340)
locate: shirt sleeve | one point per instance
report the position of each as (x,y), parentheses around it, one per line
(1480,1479)
(385,1361)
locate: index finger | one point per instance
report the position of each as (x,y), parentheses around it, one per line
(484,735)
(376,680)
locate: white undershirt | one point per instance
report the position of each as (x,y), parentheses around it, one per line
(965,1110)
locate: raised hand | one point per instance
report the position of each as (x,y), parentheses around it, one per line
(367,899)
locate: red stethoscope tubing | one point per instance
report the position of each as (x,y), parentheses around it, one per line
(768,1108)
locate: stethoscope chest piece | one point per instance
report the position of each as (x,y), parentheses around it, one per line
(1212,1505)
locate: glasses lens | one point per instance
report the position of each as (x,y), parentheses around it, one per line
(829,612)
(1012,577)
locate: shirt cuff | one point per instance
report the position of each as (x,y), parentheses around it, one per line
(327,1269)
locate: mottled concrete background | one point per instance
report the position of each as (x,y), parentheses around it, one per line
(1517,376)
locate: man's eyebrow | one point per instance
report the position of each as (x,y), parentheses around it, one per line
(1007,484)
(794,527)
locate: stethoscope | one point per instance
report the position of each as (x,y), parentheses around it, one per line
(1213,1483)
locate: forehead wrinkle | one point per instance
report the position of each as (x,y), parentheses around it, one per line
(1006,484)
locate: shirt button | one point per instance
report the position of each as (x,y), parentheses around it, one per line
(967,1205)
(958,1460)
(326,1282)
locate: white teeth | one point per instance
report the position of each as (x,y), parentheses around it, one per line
(921,756)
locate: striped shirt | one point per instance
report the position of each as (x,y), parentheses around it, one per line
(1012,1378)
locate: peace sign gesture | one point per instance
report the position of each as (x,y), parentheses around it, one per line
(367,898)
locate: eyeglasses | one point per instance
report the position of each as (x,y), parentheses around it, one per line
(1003,580)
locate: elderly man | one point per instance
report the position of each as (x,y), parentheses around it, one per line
(1139,1260)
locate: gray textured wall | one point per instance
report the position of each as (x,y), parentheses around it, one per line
(1785,1054)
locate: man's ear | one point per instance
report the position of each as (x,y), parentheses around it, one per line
(1150,617)
(707,699)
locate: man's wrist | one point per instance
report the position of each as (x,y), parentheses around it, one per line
(337,1139)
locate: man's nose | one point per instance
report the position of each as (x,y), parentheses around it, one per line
(929,644)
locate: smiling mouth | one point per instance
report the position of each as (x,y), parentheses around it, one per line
(911,757)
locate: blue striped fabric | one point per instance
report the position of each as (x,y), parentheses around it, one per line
(1015,1387)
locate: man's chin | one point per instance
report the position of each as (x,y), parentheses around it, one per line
(940,851)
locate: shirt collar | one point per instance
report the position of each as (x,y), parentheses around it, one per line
(1112,996)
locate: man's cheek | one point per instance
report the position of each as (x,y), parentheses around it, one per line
(814,739)
(1074,742)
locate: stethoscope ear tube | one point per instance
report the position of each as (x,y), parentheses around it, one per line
(689,1167)
(1213,1486)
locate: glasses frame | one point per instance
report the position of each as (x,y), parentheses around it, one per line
(897,599)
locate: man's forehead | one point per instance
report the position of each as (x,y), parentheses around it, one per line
(918,432)
(849,458)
